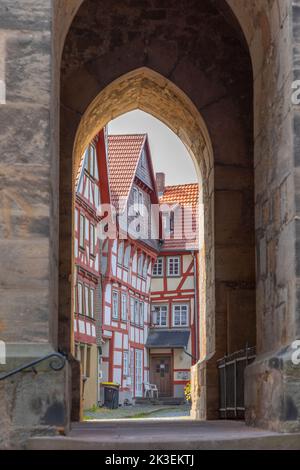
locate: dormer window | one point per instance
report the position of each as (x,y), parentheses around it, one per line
(91,161)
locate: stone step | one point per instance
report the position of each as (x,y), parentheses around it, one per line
(166,434)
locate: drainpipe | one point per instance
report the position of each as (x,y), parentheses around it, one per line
(196,306)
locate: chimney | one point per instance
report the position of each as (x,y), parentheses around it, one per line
(160,183)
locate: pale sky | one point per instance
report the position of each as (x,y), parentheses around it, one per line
(169,154)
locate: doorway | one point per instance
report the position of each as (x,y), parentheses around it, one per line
(160,374)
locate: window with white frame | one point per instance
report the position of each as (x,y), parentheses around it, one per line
(87,300)
(135,200)
(92,239)
(115,305)
(174,266)
(91,162)
(141,313)
(80,298)
(125,363)
(140,265)
(158,269)
(81,231)
(92,303)
(127,257)
(160,315)
(172,222)
(136,312)
(180,315)
(124,307)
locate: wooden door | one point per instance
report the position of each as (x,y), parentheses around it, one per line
(161,374)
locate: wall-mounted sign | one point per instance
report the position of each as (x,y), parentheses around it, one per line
(182,375)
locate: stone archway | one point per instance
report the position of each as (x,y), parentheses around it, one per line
(221,93)
(32,41)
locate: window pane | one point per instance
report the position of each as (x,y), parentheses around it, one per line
(173,266)
(158,267)
(161,314)
(180,315)
(136,312)
(115,311)
(92,303)
(124,307)
(121,253)
(127,257)
(79,298)
(92,239)
(141,314)
(82,230)
(86,296)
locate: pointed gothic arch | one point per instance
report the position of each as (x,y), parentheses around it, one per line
(215,126)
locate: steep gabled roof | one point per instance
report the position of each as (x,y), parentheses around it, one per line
(183,195)
(124,152)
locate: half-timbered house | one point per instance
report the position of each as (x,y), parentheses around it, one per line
(127,263)
(90,191)
(172,340)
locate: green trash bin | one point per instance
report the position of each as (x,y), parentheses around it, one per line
(111,395)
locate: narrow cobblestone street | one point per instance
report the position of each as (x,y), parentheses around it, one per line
(139,412)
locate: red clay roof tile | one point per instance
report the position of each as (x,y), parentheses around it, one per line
(123,156)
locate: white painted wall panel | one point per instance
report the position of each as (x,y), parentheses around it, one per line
(117,376)
(118,340)
(117,358)
(108,294)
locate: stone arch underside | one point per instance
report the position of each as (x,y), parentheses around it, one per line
(213,72)
(150,92)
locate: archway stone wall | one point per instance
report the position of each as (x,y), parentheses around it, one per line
(166,40)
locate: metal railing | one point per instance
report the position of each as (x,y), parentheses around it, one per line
(231,383)
(57,362)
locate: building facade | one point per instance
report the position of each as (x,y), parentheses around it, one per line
(173,337)
(87,278)
(127,262)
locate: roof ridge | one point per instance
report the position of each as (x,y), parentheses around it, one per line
(129,135)
(181,185)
